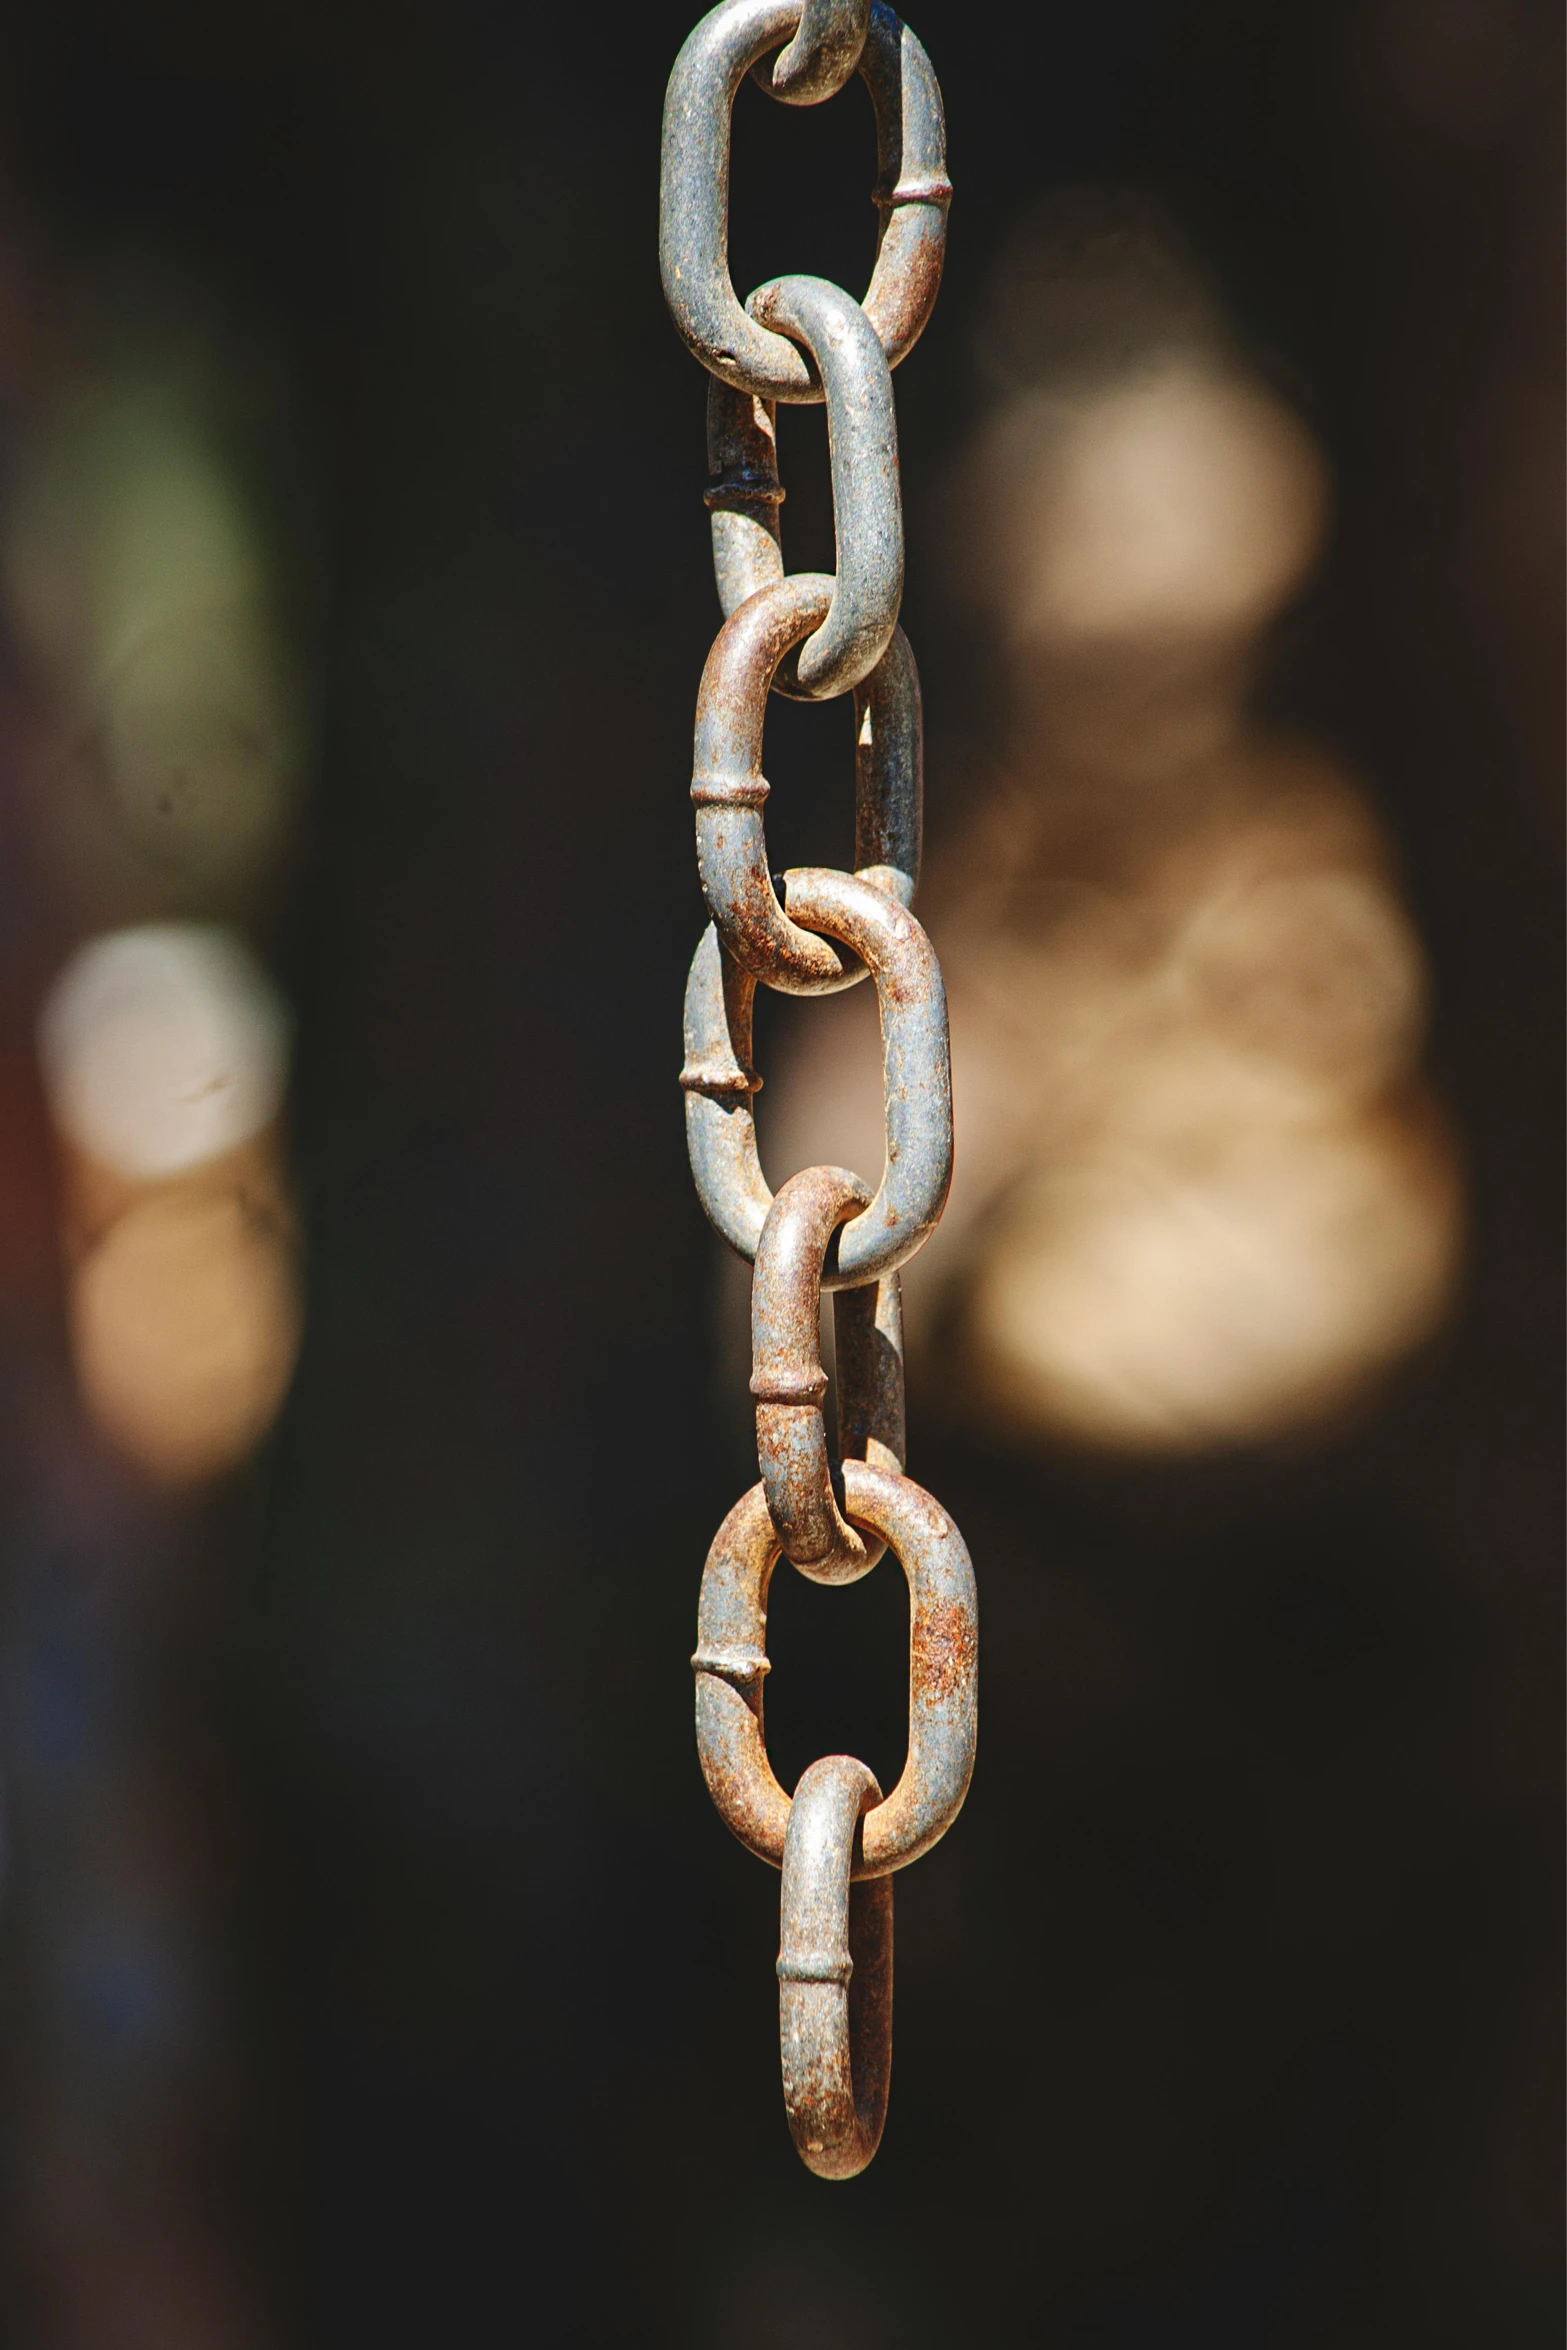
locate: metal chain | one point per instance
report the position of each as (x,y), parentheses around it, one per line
(830,1509)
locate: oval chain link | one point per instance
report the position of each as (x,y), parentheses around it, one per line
(788,1382)
(731,1663)
(831,1509)
(912,192)
(834,1975)
(916,1080)
(862,447)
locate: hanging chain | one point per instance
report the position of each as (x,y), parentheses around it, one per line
(830,1510)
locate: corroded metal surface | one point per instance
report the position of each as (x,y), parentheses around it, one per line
(731,1665)
(834,1975)
(832,1510)
(912,193)
(743,493)
(729,790)
(862,443)
(822,55)
(916,1072)
(719,1081)
(789,1383)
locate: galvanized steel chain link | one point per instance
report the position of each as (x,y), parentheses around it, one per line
(831,1510)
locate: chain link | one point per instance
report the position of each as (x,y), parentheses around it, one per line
(731,1664)
(788,1381)
(912,190)
(831,1509)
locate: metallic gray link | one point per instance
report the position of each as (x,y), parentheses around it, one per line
(912,189)
(915,1066)
(912,194)
(729,789)
(718,1077)
(868,1344)
(718,1082)
(731,1665)
(743,496)
(822,55)
(790,1385)
(743,493)
(916,1082)
(889,773)
(862,436)
(834,1975)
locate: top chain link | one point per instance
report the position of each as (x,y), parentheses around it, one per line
(831,1510)
(912,189)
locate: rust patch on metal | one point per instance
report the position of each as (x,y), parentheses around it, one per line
(943,1651)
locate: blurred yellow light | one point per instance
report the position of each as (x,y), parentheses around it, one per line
(184,1325)
(1131,1303)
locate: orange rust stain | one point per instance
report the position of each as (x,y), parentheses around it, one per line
(943,1648)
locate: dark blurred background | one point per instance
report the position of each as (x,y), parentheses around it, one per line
(376,1969)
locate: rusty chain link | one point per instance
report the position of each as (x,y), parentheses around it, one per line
(831,1509)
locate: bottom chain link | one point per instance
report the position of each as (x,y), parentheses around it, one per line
(834,1974)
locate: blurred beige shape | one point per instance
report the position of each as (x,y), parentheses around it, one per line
(1128,535)
(1201,1196)
(184,1327)
(164,1050)
(1131,1302)
(1236,1207)
(139,585)
(1187,503)
(1314,979)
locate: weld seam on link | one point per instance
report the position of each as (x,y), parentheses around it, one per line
(731,1664)
(814,1966)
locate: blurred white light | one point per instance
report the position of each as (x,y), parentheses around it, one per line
(162,1047)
